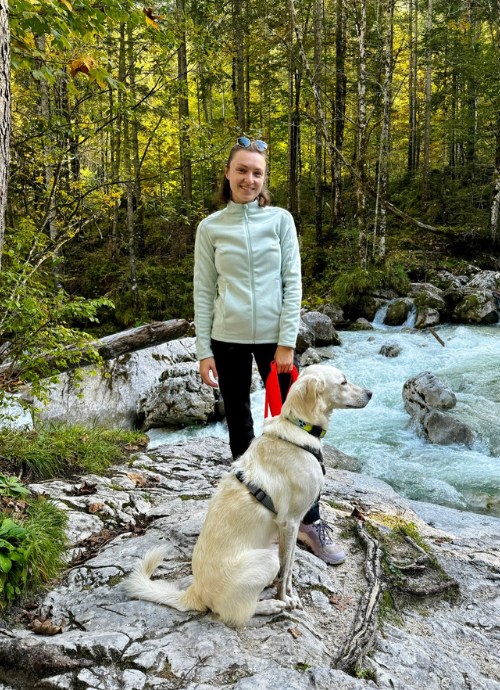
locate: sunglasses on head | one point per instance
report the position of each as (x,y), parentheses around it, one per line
(245,142)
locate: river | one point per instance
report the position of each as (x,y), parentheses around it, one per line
(381,436)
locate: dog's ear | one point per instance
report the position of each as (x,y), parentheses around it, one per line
(314,389)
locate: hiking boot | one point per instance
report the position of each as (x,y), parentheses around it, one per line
(318,538)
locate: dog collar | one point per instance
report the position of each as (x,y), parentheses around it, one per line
(312,429)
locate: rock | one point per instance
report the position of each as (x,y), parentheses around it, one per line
(385,294)
(444,429)
(110,397)
(473,306)
(333,311)
(179,399)
(445,280)
(485,280)
(114,643)
(426,391)
(426,316)
(305,338)
(427,295)
(322,328)
(340,461)
(369,306)
(390,350)
(360,325)
(397,311)
(310,356)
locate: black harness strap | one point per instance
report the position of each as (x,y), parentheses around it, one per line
(261,495)
(257,493)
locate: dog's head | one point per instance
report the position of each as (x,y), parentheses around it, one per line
(319,390)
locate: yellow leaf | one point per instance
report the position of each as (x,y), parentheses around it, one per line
(150,22)
(68,5)
(83,65)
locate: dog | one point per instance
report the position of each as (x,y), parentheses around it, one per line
(233,560)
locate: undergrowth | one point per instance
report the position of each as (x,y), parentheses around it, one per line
(32,546)
(63,449)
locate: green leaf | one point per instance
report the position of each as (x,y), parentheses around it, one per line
(5,563)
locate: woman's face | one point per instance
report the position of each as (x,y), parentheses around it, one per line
(246,174)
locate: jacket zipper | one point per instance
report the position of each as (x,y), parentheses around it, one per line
(250,258)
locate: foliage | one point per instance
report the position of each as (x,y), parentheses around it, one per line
(13,560)
(46,541)
(12,487)
(60,449)
(35,322)
(357,282)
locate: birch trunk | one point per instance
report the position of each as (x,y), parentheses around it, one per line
(138,205)
(361,151)
(117,143)
(5,116)
(239,66)
(184,141)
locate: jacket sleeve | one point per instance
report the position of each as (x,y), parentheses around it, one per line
(292,283)
(205,290)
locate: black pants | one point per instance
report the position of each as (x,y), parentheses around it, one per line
(234,367)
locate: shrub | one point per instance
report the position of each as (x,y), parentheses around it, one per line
(350,286)
(13,560)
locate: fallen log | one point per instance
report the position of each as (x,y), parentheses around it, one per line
(110,347)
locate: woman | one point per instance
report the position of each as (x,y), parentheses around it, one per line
(247,295)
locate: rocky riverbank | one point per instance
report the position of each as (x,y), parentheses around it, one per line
(112,643)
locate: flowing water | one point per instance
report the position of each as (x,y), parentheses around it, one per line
(381,435)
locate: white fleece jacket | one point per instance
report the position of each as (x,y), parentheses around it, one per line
(247,282)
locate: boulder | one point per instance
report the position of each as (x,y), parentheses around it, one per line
(360,325)
(446,280)
(322,328)
(427,295)
(442,428)
(385,294)
(333,311)
(426,316)
(473,306)
(485,280)
(338,460)
(397,311)
(179,399)
(310,356)
(426,391)
(305,338)
(390,350)
(110,396)
(369,306)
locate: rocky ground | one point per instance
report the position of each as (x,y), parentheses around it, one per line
(112,643)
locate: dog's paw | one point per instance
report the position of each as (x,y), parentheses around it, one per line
(292,601)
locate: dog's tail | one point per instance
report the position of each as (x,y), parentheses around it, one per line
(139,585)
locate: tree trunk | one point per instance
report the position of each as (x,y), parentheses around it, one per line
(5,118)
(318,73)
(139,208)
(240,70)
(50,182)
(340,104)
(428,92)
(184,141)
(495,201)
(110,347)
(362,139)
(117,143)
(291,149)
(385,141)
(411,102)
(129,186)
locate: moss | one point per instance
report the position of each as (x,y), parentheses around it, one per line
(301,666)
(187,497)
(365,673)
(115,580)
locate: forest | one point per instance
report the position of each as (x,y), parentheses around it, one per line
(382,120)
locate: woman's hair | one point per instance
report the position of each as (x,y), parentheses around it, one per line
(224,194)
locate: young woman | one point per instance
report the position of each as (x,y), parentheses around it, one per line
(247,296)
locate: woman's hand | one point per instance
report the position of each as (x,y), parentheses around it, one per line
(284,359)
(207,365)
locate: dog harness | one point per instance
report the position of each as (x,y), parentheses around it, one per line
(261,495)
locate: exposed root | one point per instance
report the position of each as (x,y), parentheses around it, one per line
(428,591)
(366,619)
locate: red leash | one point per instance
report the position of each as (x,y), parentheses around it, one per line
(273,392)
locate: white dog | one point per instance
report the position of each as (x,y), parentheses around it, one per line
(233,560)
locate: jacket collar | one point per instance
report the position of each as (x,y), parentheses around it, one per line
(239,210)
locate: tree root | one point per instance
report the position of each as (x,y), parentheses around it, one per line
(428,591)
(365,622)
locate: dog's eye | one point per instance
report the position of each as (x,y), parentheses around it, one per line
(344,383)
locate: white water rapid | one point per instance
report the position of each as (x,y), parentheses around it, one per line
(380,435)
